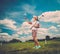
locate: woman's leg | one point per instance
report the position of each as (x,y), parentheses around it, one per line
(34,35)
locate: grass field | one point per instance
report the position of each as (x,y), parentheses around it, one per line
(52,47)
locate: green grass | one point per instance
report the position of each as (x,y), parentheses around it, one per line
(52,47)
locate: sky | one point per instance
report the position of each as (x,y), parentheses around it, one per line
(13,12)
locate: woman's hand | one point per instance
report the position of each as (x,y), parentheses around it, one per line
(29,22)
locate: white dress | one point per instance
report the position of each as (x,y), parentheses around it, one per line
(33,23)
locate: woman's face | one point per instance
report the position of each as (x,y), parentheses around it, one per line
(35,18)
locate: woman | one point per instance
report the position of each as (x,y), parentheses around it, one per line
(34,27)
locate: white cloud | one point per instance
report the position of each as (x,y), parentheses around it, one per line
(14,36)
(58,26)
(8,23)
(5,37)
(26,8)
(57,35)
(23,39)
(51,16)
(24,28)
(29,9)
(15,14)
(53,28)
(58,1)
(43,31)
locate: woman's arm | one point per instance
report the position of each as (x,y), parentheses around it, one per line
(37,26)
(29,22)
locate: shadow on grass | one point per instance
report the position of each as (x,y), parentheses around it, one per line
(27,51)
(54,45)
(33,51)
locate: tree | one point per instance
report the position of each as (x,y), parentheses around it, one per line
(47,37)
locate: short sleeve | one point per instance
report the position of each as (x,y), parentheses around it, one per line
(37,22)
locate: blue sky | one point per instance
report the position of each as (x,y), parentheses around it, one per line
(16,5)
(16,10)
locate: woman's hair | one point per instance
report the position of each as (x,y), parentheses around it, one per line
(37,18)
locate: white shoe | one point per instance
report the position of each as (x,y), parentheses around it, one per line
(38,47)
